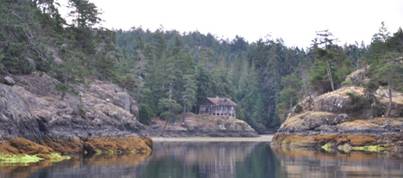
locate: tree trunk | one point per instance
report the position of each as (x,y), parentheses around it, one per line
(329,75)
(389,109)
(170,91)
(183,119)
(291,105)
(165,126)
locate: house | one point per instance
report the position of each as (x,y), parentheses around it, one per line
(218,107)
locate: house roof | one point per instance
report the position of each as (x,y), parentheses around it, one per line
(221,101)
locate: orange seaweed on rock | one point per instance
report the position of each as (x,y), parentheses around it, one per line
(20,145)
(67,146)
(294,141)
(129,144)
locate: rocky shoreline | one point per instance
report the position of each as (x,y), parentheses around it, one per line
(44,119)
(39,116)
(191,125)
(345,120)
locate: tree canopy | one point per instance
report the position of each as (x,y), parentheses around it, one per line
(170,73)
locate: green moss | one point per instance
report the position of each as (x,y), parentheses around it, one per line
(105,152)
(369,148)
(57,157)
(328,147)
(19,159)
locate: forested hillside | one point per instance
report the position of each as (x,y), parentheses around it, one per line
(170,72)
(266,78)
(175,72)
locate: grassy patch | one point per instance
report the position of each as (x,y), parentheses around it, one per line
(19,159)
(369,148)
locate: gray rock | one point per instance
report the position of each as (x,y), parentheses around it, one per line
(348,99)
(357,78)
(33,108)
(337,101)
(114,94)
(312,121)
(326,128)
(9,80)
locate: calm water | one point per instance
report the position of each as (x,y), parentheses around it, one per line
(218,160)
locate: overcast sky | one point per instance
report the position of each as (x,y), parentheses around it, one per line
(295,21)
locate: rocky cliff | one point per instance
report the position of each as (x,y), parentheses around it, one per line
(40,115)
(201,125)
(347,119)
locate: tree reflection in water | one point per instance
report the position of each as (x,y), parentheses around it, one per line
(208,160)
(219,160)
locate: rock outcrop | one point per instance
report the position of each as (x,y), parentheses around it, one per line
(358,77)
(313,121)
(349,99)
(9,80)
(68,119)
(345,120)
(382,96)
(201,125)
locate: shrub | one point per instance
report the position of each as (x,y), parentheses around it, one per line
(358,102)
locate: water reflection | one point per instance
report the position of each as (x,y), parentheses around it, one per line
(208,160)
(219,160)
(96,166)
(314,164)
